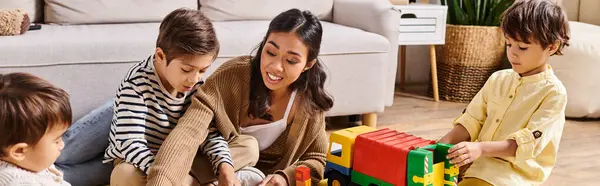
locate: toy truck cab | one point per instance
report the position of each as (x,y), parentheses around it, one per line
(339,157)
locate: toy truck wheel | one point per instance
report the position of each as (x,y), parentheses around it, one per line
(336,178)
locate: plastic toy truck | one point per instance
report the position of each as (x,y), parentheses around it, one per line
(366,156)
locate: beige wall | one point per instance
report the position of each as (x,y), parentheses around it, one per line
(587,11)
(572,9)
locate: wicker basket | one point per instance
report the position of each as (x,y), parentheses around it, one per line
(471,54)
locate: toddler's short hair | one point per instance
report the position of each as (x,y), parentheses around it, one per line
(29,107)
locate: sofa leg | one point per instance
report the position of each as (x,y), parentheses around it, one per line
(370,119)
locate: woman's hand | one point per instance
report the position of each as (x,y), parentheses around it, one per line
(464,153)
(274,180)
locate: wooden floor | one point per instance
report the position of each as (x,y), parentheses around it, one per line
(579,154)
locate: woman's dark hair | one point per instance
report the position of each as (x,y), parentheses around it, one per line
(309,85)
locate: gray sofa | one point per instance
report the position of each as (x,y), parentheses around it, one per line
(86,47)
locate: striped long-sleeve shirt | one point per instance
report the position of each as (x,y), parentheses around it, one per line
(145,114)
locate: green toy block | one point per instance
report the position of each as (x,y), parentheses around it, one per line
(419,168)
(451,171)
(440,151)
(365,180)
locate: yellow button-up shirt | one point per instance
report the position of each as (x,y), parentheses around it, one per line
(529,110)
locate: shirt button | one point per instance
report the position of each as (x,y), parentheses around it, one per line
(537,134)
(497,120)
(511,96)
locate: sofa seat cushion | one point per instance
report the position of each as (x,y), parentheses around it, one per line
(110,43)
(578,69)
(79,44)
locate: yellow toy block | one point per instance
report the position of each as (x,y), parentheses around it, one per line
(345,138)
(438,174)
(452,171)
(303,183)
(426,180)
(323,182)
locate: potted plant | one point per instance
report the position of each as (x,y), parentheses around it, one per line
(474,47)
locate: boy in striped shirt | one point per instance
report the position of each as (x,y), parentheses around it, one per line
(155,94)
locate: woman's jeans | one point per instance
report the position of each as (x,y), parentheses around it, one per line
(85,142)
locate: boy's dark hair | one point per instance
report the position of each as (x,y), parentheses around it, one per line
(29,107)
(541,20)
(187,32)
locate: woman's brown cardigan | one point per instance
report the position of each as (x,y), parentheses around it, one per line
(224,98)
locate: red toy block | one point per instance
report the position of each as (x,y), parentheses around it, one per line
(382,154)
(302,173)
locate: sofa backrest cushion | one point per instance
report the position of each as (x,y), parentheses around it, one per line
(231,10)
(111,11)
(34,8)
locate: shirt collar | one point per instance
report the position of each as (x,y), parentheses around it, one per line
(536,77)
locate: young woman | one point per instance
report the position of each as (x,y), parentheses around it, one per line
(276,97)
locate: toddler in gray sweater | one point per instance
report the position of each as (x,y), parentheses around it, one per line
(34,115)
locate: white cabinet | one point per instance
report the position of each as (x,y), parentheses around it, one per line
(422,24)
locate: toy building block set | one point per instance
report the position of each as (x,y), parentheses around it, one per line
(367,156)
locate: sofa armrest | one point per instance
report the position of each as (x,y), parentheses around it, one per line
(375,16)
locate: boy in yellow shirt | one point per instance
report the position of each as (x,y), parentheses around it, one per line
(509,133)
